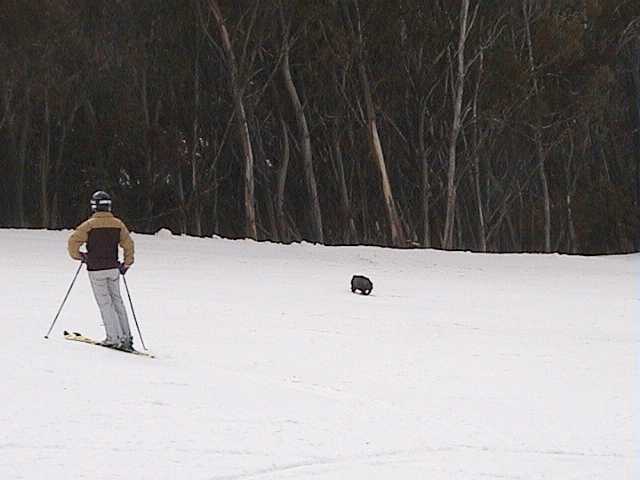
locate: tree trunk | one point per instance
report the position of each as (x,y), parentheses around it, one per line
(281,183)
(243,126)
(350,232)
(310,179)
(216,218)
(264,171)
(537,135)
(182,214)
(195,144)
(426,187)
(545,190)
(572,179)
(476,162)
(573,239)
(397,233)
(455,128)
(395,225)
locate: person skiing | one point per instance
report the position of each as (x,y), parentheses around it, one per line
(102,233)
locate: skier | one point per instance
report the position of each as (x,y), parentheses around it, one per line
(102,233)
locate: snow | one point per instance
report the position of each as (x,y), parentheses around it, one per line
(457,366)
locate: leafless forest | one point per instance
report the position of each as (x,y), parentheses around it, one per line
(485,125)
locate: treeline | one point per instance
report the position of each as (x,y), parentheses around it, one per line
(459,124)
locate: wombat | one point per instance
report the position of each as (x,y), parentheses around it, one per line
(362,283)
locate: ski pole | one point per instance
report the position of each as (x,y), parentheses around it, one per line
(133,311)
(65,299)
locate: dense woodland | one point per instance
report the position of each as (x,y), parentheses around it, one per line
(484,125)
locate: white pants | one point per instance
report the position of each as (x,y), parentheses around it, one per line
(106,288)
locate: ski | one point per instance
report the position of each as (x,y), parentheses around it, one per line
(78,337)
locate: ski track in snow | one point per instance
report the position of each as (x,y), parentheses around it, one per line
(457,365)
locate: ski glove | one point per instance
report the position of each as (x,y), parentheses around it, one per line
(123,268)
(84,257)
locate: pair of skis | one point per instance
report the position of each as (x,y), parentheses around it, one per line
(78,337)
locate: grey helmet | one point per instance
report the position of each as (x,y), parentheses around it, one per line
(100,202)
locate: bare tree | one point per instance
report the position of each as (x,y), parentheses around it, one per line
(395,225)
(527,12)
(281,183)
(305,136)
(243,125)
(459,76)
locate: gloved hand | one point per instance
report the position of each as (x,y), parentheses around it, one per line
(123,268)
(84,257)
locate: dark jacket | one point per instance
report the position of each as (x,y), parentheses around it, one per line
(102,233)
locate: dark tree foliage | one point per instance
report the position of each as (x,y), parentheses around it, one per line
(349,105)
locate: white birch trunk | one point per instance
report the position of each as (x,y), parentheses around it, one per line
(310,179)
(455,128)
(243,125)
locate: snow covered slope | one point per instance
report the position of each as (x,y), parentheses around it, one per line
(457,366)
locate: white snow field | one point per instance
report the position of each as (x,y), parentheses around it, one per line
(457,366)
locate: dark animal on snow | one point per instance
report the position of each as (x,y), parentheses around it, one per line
(362,283)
